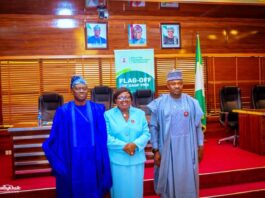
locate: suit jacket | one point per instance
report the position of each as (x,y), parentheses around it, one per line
(121,132)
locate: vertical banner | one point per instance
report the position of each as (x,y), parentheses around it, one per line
(135,69)
(199,81)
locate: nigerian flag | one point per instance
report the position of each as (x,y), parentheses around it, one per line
(199,82)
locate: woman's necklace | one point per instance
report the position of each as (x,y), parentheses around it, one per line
(125,115)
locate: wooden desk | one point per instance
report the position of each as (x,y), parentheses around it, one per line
(28,156)
(252,130)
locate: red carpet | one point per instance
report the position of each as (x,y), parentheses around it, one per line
(226,157)
(217,158)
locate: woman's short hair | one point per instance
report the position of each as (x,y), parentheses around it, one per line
(119,91)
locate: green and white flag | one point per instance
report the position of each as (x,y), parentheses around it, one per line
(199,81)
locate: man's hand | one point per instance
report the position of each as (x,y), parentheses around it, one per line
(157,158)
(200,153)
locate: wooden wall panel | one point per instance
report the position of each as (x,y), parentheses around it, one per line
(27,35)
(225,70)
(262,69)
(248,68)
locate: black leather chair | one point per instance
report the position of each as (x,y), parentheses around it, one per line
(48,103)
(230,98)
(102,95)
(258,97)
(142,98)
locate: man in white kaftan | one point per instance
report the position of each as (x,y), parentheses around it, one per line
(177,141)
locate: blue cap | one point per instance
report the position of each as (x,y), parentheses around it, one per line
(77,80)
(96,27)
(174,75)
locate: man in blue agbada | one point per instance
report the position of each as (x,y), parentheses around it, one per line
(77,147)
(177,141)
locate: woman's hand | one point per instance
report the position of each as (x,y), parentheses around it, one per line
(130,148)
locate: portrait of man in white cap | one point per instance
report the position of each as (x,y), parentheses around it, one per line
(170,35)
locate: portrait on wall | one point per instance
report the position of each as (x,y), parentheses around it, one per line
(137,35)
(96,35)
(137,3)
(170,35)
(92,3)
(169,5)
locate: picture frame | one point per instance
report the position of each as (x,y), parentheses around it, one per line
(91,3)
(96,35)
(137,4)
(94,3)
(169,5)
(170,35)
(137,35)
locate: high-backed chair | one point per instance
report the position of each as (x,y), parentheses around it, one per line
(258,97)
(142,98)
(230,98)
(48,103)
(102,95)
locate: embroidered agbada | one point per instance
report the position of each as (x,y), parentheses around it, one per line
(175,128)
(77,151)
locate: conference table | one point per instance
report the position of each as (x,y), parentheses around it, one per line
(251,130)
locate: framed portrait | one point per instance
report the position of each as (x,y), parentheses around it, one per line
(170,35)
(91,3)
(96,35)
(137,35)
(137,3)
(94,3)
(169,5)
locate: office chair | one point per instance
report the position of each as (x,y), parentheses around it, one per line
(48,103)
(230,98)
(258,97)
(102,95)
(142,98)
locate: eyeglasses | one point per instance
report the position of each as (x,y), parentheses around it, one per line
(122,98)
(79,89)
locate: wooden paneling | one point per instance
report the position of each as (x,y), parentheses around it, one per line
(38,35)
(244,72)
(225,70)
(228,33)
(28,156)
(31,28)
(252,133)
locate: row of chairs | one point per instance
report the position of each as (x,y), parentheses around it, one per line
(103,94)
(230,98)
(49,102)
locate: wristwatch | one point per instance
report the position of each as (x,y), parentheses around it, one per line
(154,150)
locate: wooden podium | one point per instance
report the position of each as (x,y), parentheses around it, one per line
(28,156)
(252,130)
